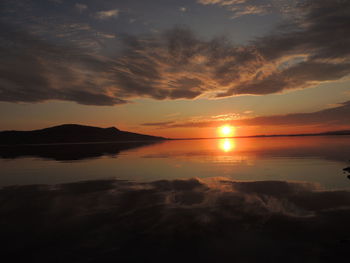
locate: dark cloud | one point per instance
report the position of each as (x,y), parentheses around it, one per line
(157,123)
(320,36)
(202,221)
(177,64)
(299,55)
(34,70)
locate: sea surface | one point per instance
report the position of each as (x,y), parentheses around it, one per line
(283,199)
(318,160)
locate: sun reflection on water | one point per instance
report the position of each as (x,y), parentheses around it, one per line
(227,145)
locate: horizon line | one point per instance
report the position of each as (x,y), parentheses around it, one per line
(329,133)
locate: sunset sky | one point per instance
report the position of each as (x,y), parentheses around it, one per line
(176,68)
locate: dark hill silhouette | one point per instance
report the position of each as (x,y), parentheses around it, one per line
(72,133)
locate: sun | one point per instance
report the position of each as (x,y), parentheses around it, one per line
(226,131)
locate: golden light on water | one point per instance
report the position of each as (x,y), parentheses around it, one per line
(227,145)
(226,131)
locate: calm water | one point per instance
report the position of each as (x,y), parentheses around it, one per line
(230,200)
(318,160)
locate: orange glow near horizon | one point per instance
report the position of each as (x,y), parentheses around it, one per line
(227,145)
(226,131)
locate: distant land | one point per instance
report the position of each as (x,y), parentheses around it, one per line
(72,133)
(343,132)
(329,133)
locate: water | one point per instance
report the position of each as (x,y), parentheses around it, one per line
(317,160)
(229,200)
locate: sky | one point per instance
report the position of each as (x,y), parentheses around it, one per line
(176,68)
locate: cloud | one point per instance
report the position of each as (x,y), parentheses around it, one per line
(164,123)
(307,48)
(57,1)
(177,64)
(222,2)
(248,10)
(313,39)
(81,7)
(338,115)
(107,14)
(302,55)
(34,70)
(241,8)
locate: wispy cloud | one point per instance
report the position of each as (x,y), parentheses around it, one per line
(241,7)
(248,10)
(198,121)
(107,14)
(56,1)
(81,7)
(164,123)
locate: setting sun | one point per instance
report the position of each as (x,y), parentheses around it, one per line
(226,131)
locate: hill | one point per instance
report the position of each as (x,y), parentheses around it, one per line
(72,133)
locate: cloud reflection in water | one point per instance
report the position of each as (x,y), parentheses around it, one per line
(213,220)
